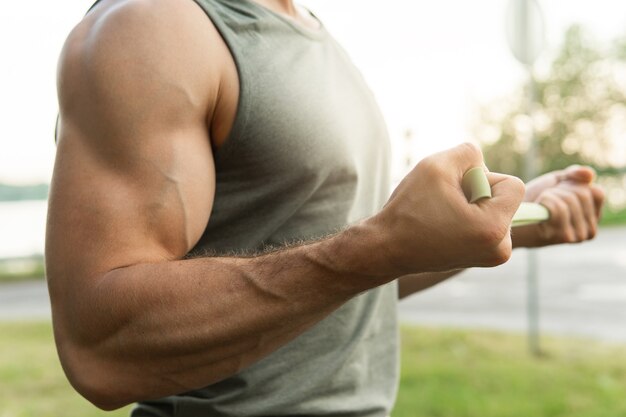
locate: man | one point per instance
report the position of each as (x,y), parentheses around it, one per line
(217,243)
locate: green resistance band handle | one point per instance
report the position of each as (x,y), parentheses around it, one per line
(476,187)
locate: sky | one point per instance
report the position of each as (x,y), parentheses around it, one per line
(430,64)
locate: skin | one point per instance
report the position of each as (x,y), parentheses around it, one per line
(132,192)
(575,203)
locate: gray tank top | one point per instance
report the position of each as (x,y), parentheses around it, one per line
(308,154)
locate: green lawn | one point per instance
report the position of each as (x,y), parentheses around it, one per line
(613,218)
(32,383)
(451,373)
(445,373)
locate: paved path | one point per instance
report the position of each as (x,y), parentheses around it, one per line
(583,292)
(582,288)
(24,300)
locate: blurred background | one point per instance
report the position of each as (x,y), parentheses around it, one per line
(443,73)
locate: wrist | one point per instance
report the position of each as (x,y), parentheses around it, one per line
(525,237)
(356,258)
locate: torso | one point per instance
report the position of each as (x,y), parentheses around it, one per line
(220,121)
(300,151)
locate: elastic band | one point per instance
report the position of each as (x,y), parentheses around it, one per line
(476,186)
(530,213)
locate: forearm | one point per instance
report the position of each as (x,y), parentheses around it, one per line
(414,283)
(521,237)
(152,330)
(411,284)
(525,236)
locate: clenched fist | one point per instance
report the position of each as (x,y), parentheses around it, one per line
(428,224)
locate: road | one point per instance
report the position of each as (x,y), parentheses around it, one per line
(24,301)
(583,293)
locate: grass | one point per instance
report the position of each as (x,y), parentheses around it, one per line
(488,374)
(613,218)
(445,373)
(32,383)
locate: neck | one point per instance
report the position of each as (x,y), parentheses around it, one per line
(289,9)
(286,7)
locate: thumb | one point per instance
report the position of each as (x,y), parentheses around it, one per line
(508,193)
(579,173)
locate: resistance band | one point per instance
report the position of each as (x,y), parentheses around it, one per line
(476,186)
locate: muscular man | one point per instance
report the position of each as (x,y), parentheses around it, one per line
(220,239)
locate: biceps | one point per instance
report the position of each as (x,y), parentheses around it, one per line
(143,204)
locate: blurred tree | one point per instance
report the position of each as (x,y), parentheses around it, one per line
(579,115)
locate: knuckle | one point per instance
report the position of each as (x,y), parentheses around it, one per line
(518,186)
(562,209)
(598,194)
(547,201)
(504,255)
(471,150)
(570,198)
(568,236)
(470,147)
(429,165)
(584,193)
(491,235)
(500,255)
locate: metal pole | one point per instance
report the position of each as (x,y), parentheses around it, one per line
(532,261)
(524,16)
(530,168)
(533,303)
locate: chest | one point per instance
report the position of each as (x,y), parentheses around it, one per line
(301,107)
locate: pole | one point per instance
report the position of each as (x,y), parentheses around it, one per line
(532,263)
(530,168)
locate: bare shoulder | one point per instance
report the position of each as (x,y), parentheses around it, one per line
(154,30)
(156,57)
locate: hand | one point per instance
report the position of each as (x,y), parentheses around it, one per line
(574,202)
(428,224)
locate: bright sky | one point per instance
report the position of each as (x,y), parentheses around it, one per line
(429,64)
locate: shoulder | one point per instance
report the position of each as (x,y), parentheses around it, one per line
(145,23)
(162,50)
(144,29)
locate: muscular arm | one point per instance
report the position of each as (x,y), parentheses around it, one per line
(132,193)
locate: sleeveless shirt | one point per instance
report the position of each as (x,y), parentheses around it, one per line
(307,155)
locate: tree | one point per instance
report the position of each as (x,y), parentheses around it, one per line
(579,115)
